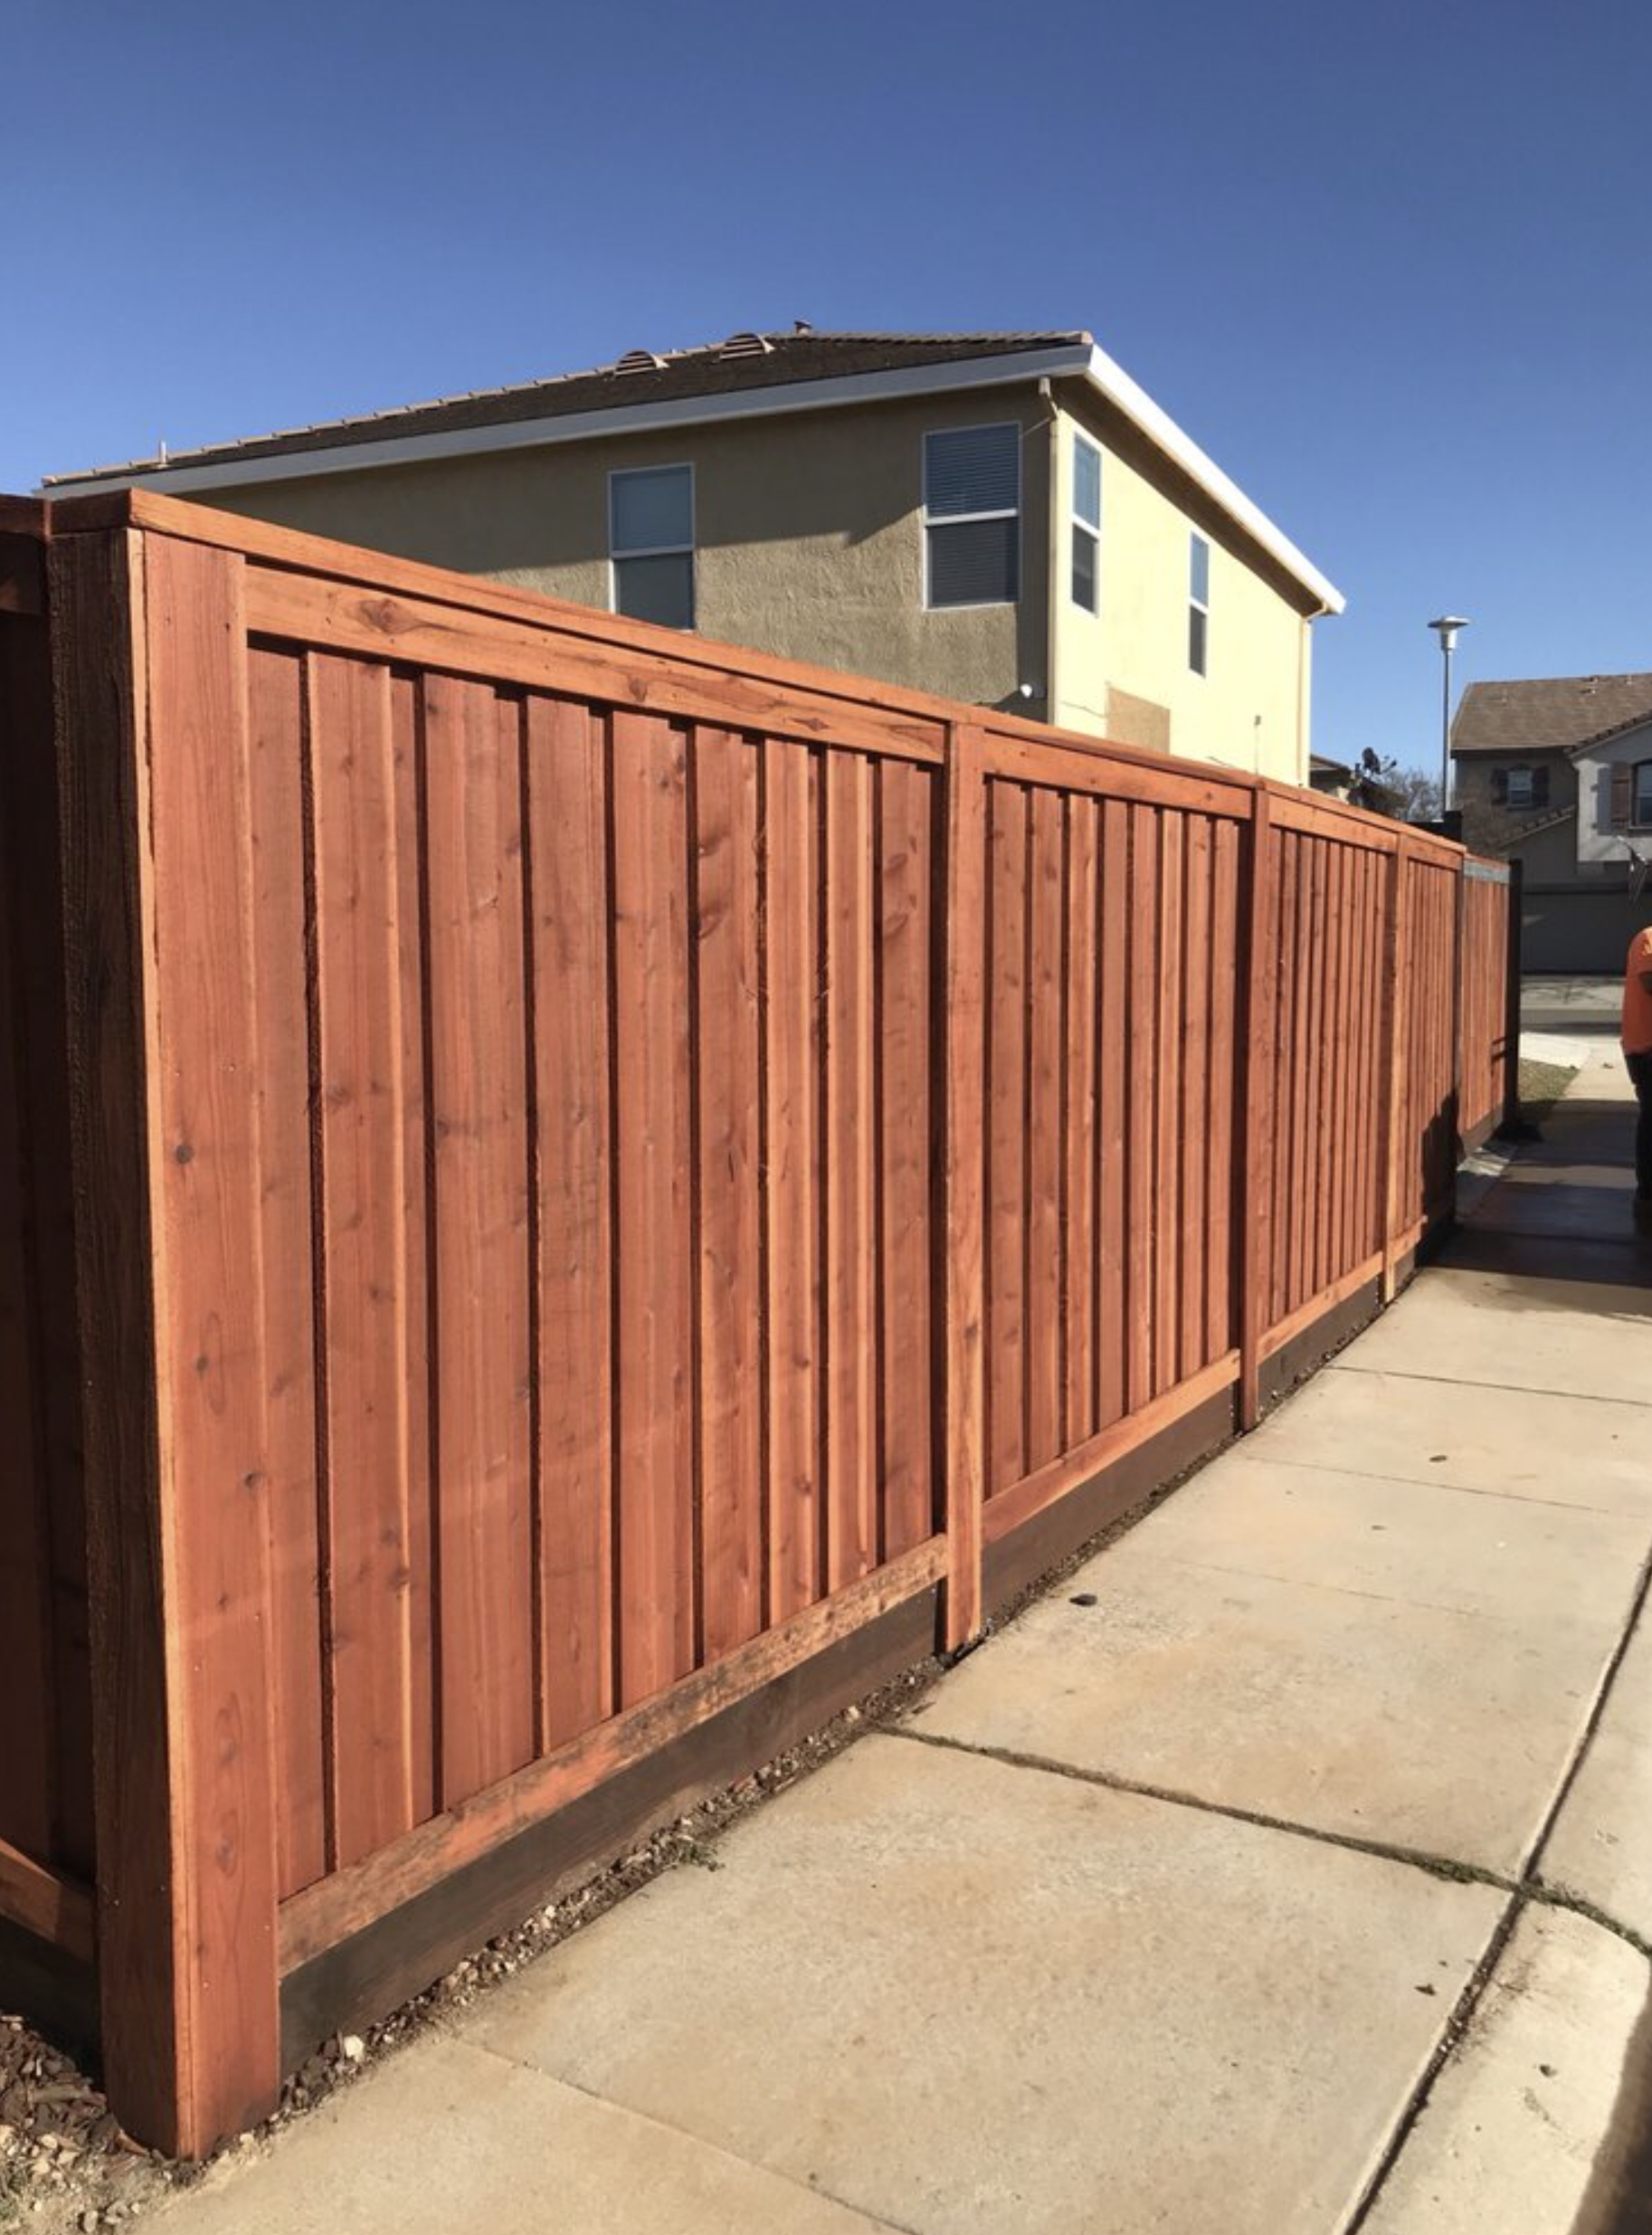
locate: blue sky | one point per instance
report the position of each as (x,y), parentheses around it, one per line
(1388,264)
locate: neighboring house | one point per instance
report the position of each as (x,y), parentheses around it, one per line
(1334,778)
(1005,519)
(1558,773)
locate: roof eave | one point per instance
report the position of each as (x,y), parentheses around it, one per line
(1112,382)
(611,418)
(1082,359)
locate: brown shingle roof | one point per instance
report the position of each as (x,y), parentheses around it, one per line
(746,360)
(1550,714)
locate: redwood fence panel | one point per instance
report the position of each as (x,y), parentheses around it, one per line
(623,1190)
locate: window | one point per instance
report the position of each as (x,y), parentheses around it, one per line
(1643,791)
(1087,525)
(1520,787)
(972,516)
(650,544)
(1198,604)
(1632,794)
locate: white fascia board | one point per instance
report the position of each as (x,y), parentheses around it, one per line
(615,419)
(1111,381)
(1089,364)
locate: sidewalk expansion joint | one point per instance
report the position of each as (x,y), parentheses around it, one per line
(1434,1482)
(879,2222)
(1514,1389)
(1381,1851)
(1530,1891)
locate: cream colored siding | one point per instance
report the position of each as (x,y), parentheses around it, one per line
(1249,708)
(809,541)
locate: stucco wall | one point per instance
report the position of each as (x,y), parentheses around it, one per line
(1597,841)
(809,543)
(809,538)
(1249,709)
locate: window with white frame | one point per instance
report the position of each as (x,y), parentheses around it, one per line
(1522,788)
(650,544)
(972,516)
(1198,604)
(1087,525)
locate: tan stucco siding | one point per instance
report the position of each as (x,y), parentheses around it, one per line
(1251,709)
(808,529)
(1601,840)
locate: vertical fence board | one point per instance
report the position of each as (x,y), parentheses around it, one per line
(1007,1095)
(905,918)
(214,1897)
(1083,1051)
(1046,1127)
(792,1156)
(1141,1133)
(1195,1123)
(851,1167)
(1255,1182)
(1172,1012)
(968,901)
(276,713)
(730,1268)
(1225,995)
(1112,1056)
(34,1744)
(655,1434)
(479,1112)
(375,1418)
(1285,860)
(567,823)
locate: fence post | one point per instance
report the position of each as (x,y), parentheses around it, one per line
(963,1227)
(1511,1003)
(154,753)
(1459,965)
(1396,1027)
(1255,1208)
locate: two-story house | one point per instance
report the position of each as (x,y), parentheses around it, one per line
(1557,772)
(1004,518)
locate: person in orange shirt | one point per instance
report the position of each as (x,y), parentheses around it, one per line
(1638,1055)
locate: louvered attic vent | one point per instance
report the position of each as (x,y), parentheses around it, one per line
(745,346)
(640,361)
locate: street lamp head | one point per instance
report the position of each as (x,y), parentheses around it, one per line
(1446,627)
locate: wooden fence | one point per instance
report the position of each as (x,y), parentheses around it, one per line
(621,1190)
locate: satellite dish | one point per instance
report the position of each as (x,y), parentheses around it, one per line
(1639,868)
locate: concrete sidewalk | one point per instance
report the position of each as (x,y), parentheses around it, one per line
(1288,1869)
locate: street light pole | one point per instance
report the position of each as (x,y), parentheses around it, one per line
(1445,629)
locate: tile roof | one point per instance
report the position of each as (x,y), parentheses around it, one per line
(1549,714)
(746,360)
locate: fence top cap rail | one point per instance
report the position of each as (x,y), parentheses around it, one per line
(388,576)
(24,516)
(1323,808)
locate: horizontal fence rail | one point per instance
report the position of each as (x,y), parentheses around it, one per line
(610,1171)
